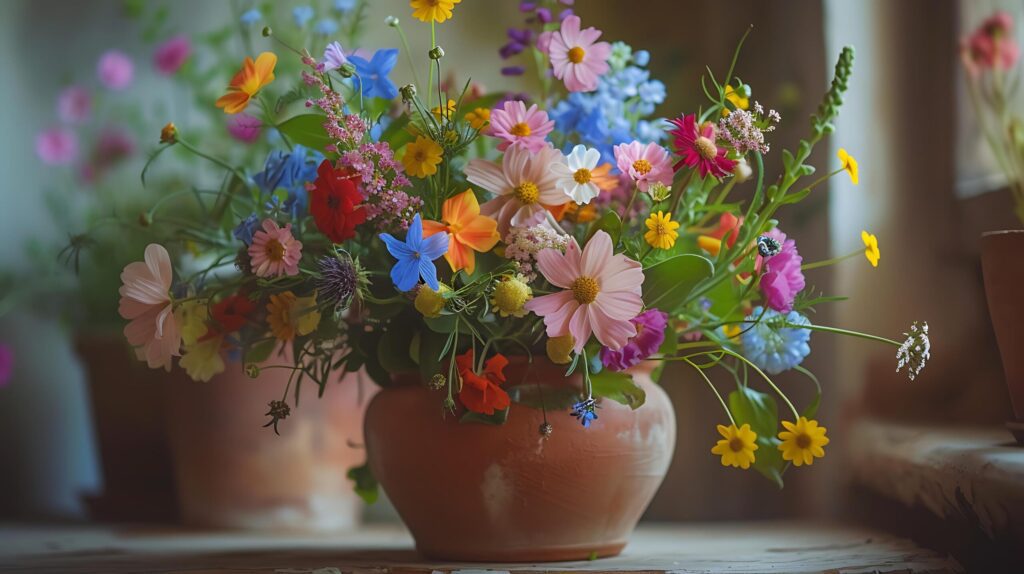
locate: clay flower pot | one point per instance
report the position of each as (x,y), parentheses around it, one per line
(1002,261)
(504,493)
(233,473)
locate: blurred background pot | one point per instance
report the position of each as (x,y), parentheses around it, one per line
(233,473)
(1002,259)
(502,493)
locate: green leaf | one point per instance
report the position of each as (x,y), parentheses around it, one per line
(393,349)
(669,345)
(667,284)
(550,397)
(307,130)
(431,345)
(618,387)
(365,483)
(610,223)
(444,324)
(259,351)
(498,418)
(761,412)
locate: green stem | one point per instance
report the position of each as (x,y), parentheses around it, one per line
(833,261)
(430,82)
(796,415)
(838,331)
(713,389)
(408,54)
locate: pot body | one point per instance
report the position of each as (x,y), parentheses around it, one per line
(233,473)
(1002,260)
(504,493)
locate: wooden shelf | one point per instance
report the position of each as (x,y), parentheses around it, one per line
(790,548)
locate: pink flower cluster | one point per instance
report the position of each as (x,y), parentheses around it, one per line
(523,244)
(991,46)
(388,206)
(744,131)
(782,278)
(347,129)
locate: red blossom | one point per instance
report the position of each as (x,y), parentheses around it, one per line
(229,315)
(697,147)
(482,393)
(334,203)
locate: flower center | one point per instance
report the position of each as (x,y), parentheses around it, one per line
(659,228)
(585,290)
(521,130)
(736,445)
(527,192)
(275,250)
(582,176)
(642,166)
(803,440)
(576,54)
(706,148)
(420,156)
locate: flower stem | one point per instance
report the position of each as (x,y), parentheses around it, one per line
(713,389)
(430,82)
(827,262)
(796,415)
(408,53)
(838,331)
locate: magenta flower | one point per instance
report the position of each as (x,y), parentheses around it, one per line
(115,70)
(519,126)
(6,364)
(577,58)
(57,146)
(644,163)
(650,334)
(781,277)
(992,45)
(74,105)
(243,127)
(170,55)
(601,293)
(696,147)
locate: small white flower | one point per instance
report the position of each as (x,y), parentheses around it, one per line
(915,350)
(575,176)
(742,171)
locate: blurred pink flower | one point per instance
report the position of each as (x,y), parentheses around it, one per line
(74,105)
(6,364)
(57,146)
(244,128)
(170,55)
(577,58)
(146,302)
(115,70)
(992,45)
(112,147)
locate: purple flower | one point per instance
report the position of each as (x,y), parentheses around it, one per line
(6,364)
(513,71)
(544,15)
(115,70)
(244,128)
(74,105)
(781,277)
(527,6)
(169,56)
(650,334)
(57,146)
(334,57)
(510,49)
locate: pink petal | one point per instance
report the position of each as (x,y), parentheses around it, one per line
(557,309)
(622,274)
(612,333)
(487,175)
(553,266)
(580,327)
(619,305)
(596,255)
(571,30)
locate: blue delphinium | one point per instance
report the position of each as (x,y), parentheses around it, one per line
(326,27)
(585,412)
(373,73)
(289,171)
(244,230)
(773,347)
(302,15)
(344,6)
(250,17)
(415,256)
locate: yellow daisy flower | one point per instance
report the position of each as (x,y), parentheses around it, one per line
(849,165)
(802,442)
(479,118)
(736,446)
(289,315)
(737,100)
(510,295)
(422,157)
(202,360)
(436,10)
(559,349)
(448,112)
(430,303)
(871,250)
(661,232)
(191,317)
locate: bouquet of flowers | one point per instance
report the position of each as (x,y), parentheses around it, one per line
(440,230)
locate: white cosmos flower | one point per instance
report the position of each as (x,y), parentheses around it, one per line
(575,176)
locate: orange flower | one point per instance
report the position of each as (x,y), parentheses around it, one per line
(248,82)
(468,231)
(483,393)
(728,228)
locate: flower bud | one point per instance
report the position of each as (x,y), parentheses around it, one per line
(267,32)
(252,370)
(742,170)
(391,21)
(545,430)
(659,191)
(145,219)
(169,133)
(347,70)
(408,92)
(437,382)
(436,53)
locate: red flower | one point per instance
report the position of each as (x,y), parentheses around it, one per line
(696,147)
(229,315)
(483,393)
(333,202)
(728,228)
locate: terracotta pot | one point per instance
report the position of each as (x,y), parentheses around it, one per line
(135,457)
(1002,261)
(474,492)
(233,473)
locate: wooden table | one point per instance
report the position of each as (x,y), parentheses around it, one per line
(791,548)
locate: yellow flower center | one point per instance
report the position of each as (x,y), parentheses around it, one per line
(642,166)
(659,228)
(527,192)
(803,440)
(582,176)
(510,295)
(521,130)
(576,54)
(420,155)
(585,290)
(736,444)
(706,148)
(275,250)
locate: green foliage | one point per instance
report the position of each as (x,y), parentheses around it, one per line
(609,223)
(365,483)
(538,396)
(668,284)
(259,351)
(307,130)
(618,387)
(762,414)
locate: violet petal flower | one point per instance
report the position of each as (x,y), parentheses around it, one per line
(650,334)
(115,70)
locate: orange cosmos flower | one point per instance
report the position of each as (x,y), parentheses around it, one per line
(468,231)
(248,82)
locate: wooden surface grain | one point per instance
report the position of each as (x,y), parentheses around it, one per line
(790,548)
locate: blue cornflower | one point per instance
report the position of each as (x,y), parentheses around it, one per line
(773,347)
(244,230)
(344,6)
(415,256)
(585,412)
(373,74)
(641,57)
(289,171)
(250,17)
(302,15)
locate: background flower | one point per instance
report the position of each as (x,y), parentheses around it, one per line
(74,105)
(146,303)
(171,55)
(781,276)
(650,334)
(57,146)
(577,58)
(516,125)
(244,128)
(115,70)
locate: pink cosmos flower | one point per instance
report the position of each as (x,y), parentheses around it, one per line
(74,105)
(6,364)
(644,163)
(524,184)
(115,70)
(519,126)
(577,58)
(274,251)
(146,302)
(650,334)
(782,278)
(601,296)
(696,147)
(991,46)
(169,56)
(243,127)
(57,146)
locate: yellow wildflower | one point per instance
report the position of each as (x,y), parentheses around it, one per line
(202,360)
(429,302)
(661,230)
(191,317)
(736,446)
(479,118)
(732,332)
(737,100)
(289,315)
(849,165)
(871,250)
(421,157)
(558,349)
(510,295)
(802,442)
(436,10)
(448,112)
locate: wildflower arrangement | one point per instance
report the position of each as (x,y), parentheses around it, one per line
(439,230)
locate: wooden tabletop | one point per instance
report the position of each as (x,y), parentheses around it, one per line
(790,548)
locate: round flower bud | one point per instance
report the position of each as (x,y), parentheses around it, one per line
(559,349)
(429,302)
(436,53)
(408,92)
(742,170)
(267,32)
(252,370)
(510,295)
(546,429)
(347,70)
(437,382)
(391,21)
(169,133)
(145,219)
